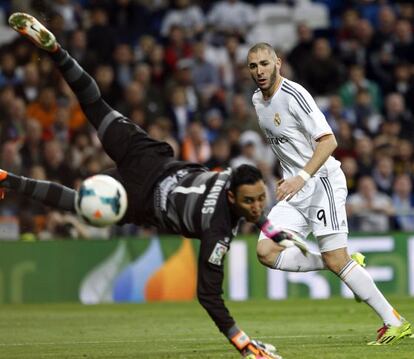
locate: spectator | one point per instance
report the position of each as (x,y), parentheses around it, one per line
(177,47)
(357,49)
(367,117)
(404,159)
(142,74)
(101,36)
(133,97)
(401,82)
(123,64)
(144,48)
(79,48)
(186,14)
(357,81)
(227,59)
(213,123)
(220,155)
(130,18)
(230,17)
(383,174)
(364,152)
(32,147)
(180,113)
(383,37)
(195,147)
(161,130)
(350,168)
(345,140)
(8,70)
(66,9)
(10,159)
(348,27)
(12,127)
(403,202)
(105,78)
(396,111)
(28,89)
(205,74)
(302,51)
(44,109)
(81,147)
(368,209)
(183,77)
(388,138)
(7,95)
(404,42)
(336,113)
(242,116)
(158,65)
(322,72)
(55,165)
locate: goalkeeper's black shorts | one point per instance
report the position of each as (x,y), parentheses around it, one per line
(141,162)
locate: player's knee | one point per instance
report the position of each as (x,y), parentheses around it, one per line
(267,252)
(336,260)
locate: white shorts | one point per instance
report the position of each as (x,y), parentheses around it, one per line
(319,207)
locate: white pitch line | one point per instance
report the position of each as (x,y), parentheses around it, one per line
(165,340)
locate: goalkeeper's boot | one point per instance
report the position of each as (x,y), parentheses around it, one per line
(31,28)
(360,259)
(3,176)
(390,334)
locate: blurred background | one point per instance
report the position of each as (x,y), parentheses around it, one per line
(178,69)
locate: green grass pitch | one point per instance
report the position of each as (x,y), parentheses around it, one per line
(301,329)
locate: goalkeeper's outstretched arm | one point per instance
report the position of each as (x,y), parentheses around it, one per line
(49,193)
(209,293)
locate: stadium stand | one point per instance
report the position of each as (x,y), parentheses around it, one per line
(177,68)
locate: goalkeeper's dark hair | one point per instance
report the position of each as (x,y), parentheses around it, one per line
(244,174)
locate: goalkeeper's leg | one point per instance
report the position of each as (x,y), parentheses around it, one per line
(49,193)
(98,112)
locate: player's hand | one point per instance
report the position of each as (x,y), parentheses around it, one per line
(258,350)
(288,239)
(282,236)
(253,349)
(289,187)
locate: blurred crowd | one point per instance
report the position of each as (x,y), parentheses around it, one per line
(178,69)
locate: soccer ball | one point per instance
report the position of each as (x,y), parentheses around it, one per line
(101,200)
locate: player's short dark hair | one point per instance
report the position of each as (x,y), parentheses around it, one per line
(261,46)
(244,174)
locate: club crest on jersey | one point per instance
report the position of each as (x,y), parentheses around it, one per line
(277,119)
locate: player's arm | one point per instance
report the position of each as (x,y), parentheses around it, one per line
(209,294)
(325,146)
(49,193)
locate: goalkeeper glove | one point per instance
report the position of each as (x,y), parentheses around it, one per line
(284,237)
(253,349)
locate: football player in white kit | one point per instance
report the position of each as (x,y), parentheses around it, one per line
(311,197)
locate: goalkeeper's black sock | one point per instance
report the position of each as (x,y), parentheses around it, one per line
(49,193)
(83,85)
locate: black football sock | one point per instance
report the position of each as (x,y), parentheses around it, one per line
(49,193)
(84,86)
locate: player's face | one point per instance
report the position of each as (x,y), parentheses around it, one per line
(249,200)
(264,68)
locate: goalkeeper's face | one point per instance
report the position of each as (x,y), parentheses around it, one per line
(249,200)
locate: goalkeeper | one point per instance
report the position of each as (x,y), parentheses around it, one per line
(175,196)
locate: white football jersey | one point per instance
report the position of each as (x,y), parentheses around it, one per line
(292,122)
